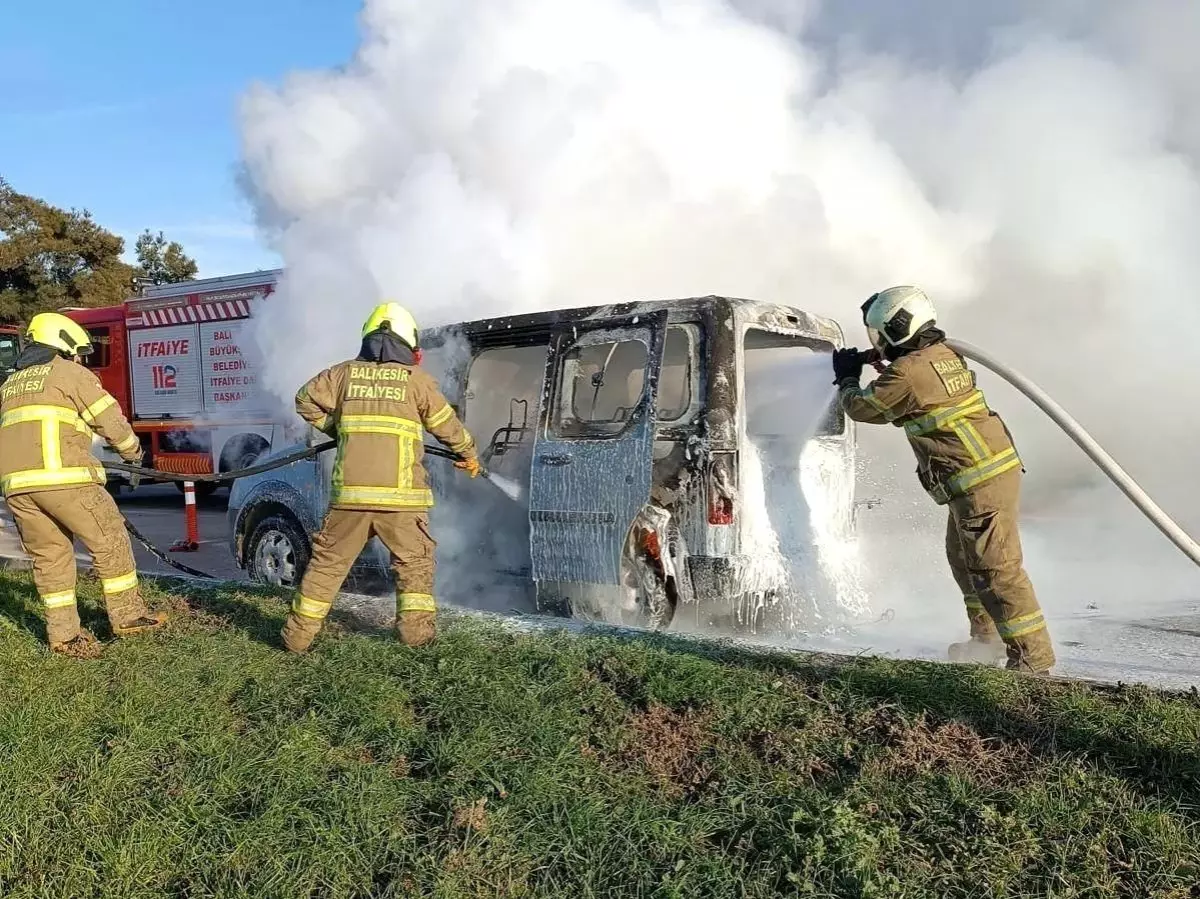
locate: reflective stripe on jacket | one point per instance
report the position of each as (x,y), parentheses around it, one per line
(47,415)
(379,412)
(930,393)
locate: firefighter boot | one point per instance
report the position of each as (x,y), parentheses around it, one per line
(148,621)
(298,633)
(127,612)
(304,622)
(82,646)
(1036,660)
(979,651)
(416,628)
(68,647)
(984,646)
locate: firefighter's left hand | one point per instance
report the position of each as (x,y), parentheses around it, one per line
(470,466)
(847,363)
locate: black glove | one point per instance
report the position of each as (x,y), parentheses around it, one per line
(847,363)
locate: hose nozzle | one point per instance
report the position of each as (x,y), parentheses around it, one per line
(871,357)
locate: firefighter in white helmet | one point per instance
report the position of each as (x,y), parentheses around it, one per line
(966,461)
(49,408)
(378,405)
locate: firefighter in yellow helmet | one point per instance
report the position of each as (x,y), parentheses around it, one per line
(49,408)
(378,406)
(966,461)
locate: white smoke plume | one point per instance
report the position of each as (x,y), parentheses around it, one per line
(1034,165)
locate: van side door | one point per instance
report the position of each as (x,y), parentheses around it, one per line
(593,452)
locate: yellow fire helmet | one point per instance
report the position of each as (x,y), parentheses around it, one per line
(398,319)
(60,332)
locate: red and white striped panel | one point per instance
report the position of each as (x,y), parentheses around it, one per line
(204,312)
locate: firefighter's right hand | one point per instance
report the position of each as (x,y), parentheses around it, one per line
(135,478)
(470,466)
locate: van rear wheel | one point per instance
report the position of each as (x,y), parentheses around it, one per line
(608,604)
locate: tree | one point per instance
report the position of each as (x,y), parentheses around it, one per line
(51,257)
(161,262)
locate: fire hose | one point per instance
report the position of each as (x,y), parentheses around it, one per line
(1084,440)
(1076,432)
(153,474)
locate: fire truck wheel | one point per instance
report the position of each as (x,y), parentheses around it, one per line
(204,489)
(277,552)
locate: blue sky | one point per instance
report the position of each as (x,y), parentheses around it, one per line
(128,107)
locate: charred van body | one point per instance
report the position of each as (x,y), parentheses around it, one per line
(680,457)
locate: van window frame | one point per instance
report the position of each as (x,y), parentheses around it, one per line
(477,352)
(557,393)
(817,345)
(695,403)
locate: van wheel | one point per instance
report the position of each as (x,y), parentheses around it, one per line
(603,604)
(277,552)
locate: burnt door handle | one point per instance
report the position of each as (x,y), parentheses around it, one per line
(555,458)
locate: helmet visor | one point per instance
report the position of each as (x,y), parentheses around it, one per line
(876,339)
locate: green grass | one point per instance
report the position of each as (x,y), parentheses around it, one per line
(204,761)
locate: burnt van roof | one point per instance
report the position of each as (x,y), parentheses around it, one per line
(770,314)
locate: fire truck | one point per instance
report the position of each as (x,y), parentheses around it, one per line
(178,361)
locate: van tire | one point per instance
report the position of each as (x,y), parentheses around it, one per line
(278,551)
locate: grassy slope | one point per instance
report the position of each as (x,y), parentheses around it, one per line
(205,762)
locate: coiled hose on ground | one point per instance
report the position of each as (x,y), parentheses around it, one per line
(1095,452)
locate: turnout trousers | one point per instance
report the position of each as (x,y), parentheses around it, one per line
(48,522)
(406,536)
(983,546)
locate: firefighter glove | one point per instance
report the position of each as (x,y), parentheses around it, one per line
(470,466)
(134,477)
(847,363)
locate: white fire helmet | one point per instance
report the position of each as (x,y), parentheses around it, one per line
(895,315)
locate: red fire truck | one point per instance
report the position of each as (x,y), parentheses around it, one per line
(176,359)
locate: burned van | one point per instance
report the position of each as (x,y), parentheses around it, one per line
(682,460)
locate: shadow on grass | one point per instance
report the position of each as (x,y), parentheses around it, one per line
(259,612)
(19,599)
(1110,726)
